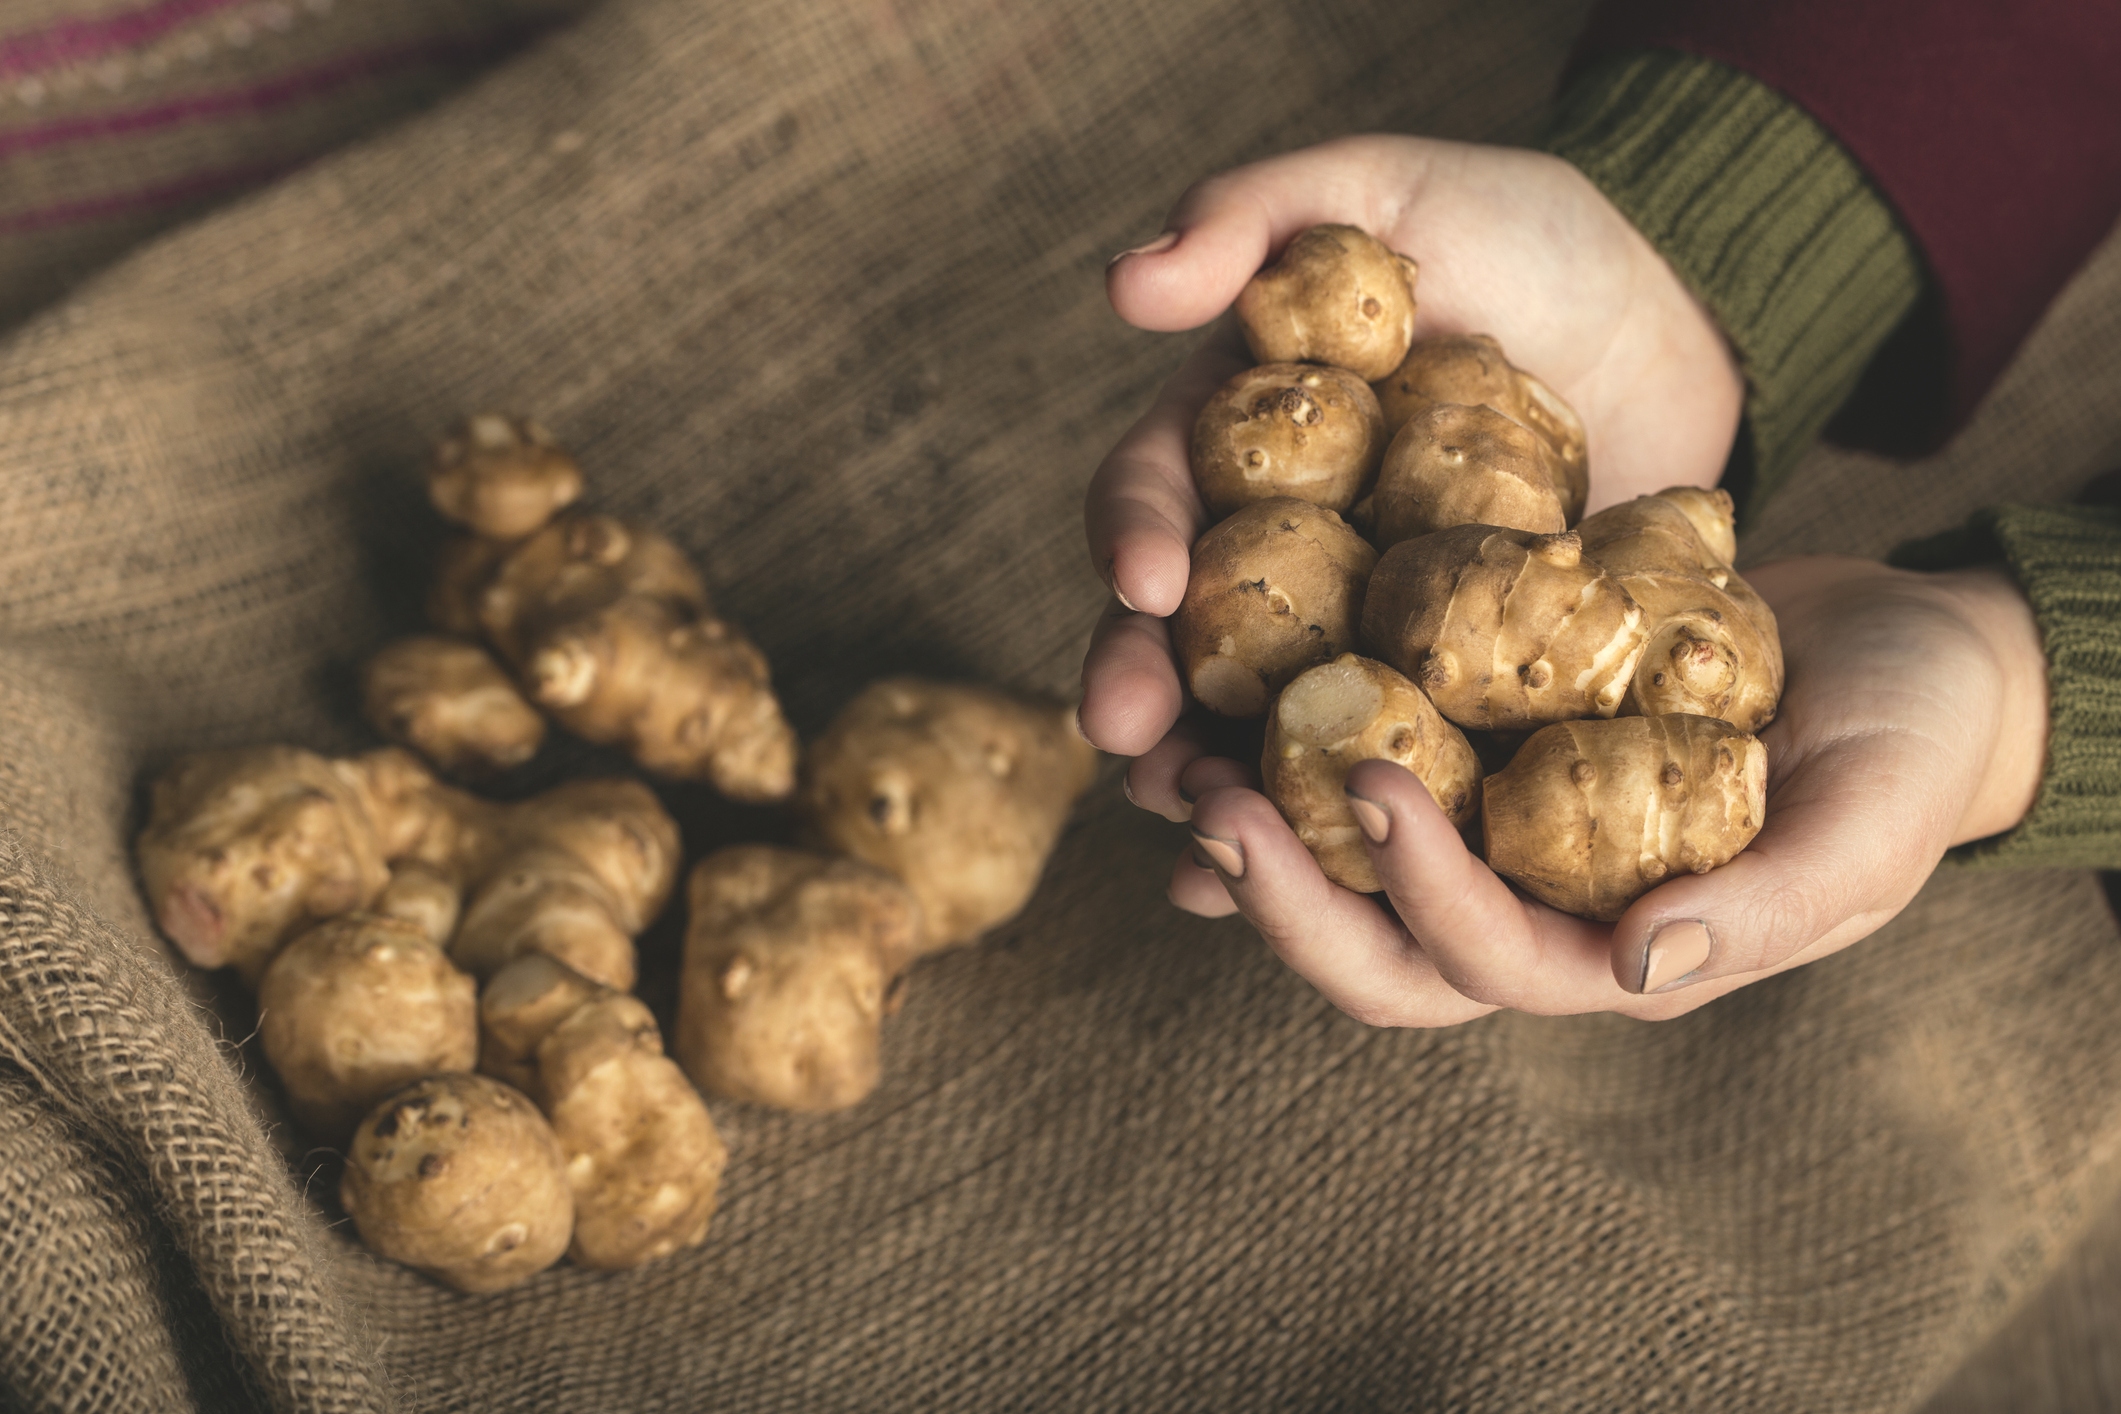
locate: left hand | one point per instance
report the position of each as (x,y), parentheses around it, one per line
(1914,718)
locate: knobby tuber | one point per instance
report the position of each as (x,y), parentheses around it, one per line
(1287,429)
(460,1177)
(1337,295)
(1591,815)
(450,701)
(1273,590)
(792,962)
(1458,465)
(959,790)
(1472,370)
(356,1007)
(1355,709)
(501,477)
(244,849)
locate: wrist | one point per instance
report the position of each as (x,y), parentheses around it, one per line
(1991,604)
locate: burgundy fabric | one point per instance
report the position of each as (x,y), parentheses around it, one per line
(1993,127)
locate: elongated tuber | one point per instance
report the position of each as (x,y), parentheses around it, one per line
(460,1177)
(958,789)
(1356,709)
(356,1007)
(1274,589)
(1287,429)
(1502,628)
(792,962)
(450,701)
(1471,369)
(1591,815)
(1337,295)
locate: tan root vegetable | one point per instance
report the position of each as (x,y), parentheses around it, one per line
(1471,369)
(1713,649)
(576,872)
(1274,589)
(1287,429)
(356,1007)
(1502,628)
(243,849)
(1589,816)
(519,1007)
(1457,465)
(959,790)
(610,629)
(1356,709)
(502,477)
(792,961)
(460,1177)
(451,702)
(643,1157)
(1337,295)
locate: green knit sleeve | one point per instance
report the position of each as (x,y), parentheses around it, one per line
(1765,217)
(2068,561)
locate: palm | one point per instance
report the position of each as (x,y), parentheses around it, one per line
(1511,243)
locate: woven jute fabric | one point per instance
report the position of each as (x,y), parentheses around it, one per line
(816,288)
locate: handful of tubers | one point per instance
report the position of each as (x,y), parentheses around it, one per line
(1625,642)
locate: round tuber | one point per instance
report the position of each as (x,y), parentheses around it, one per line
(501,477)
(460,1177)
(1287,429)
(792,962)
(1337,295)
(1274,589)
(1456,465)
(1472,370)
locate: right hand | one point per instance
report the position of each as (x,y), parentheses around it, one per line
(1512,243)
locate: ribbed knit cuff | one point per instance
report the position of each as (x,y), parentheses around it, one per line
(2068,561)
(1765,217)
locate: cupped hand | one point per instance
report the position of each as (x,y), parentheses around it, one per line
(1512,243)
(1914,718)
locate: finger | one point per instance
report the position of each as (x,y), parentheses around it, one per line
(1131,694)
(1197,888)
(1850,837)
(1343,944)
(1229,224)
(1142,512)
(1487,942)
(1153,777)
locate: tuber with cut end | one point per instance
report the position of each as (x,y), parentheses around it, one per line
(501,477)
(1712,648)
(356,1007)
(1456,465)
(792,962)
(1357,709)
(1287,429)
(450,701)
(1504,629)
(1337,295)
(1274,589)
(1471,369)
(958,789)
(460,1177)
(1591,815)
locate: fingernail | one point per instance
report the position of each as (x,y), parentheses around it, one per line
(1201,861)
(1077,717)
(1121,595)
(1677,950)
(1156,247)
(1370,818)
(1126,788)
(1226,854)
(1187,796)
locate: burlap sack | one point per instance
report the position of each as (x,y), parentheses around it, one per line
(816,287)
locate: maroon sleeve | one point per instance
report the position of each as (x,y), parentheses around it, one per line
(1992,126)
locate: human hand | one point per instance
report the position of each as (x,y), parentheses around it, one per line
(1512,243)
(1914,718)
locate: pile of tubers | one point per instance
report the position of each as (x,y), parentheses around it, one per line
(444,982)
(1399,555)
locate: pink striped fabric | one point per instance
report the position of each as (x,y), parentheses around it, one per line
(74,41)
